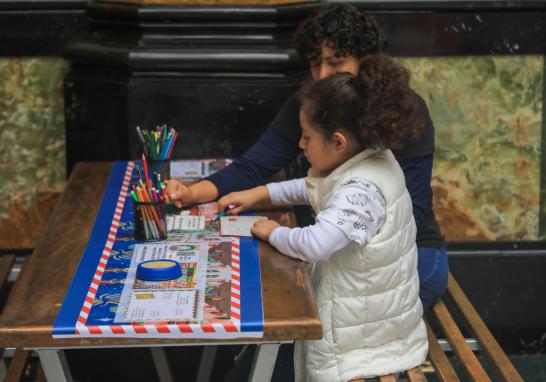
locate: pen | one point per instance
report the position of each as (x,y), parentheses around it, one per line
(223,213)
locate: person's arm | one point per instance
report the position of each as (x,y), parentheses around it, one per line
(288,192)
(271,153)
(354,213)
(418,174)
(312,243)
(276,148)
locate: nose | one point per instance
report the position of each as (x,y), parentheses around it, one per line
(324,71)
(301,143)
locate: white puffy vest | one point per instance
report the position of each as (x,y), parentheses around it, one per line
(367,295)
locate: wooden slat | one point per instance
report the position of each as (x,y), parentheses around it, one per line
(416,375)
(461,349)
(40,375)
(17,365)
(6,261)
(387,378)
(439,360)
(500,362)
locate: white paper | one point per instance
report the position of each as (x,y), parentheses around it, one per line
(161,305)
(185,223)
(238,225)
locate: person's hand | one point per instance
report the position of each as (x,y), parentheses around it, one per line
(263,229)
(178,193)
(240,201)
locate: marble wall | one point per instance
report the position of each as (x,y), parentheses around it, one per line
(32,159)
(487,111)
(488,116)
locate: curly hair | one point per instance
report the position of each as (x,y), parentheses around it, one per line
(377,107)
(344,29)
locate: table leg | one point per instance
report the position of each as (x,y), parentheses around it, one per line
(206,364)
(161,364)
(55,366)
(263,363)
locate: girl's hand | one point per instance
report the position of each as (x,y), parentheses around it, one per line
(178,193)
(263,229)
(240,201)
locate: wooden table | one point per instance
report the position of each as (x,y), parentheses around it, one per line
(27,320)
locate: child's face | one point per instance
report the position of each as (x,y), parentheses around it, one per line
(324,155)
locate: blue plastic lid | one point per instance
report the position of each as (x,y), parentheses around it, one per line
(158,270)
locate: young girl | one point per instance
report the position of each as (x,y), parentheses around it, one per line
(362,246)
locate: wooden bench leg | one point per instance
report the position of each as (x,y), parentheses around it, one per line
(17,366)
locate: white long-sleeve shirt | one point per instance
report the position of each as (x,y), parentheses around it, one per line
(354,213)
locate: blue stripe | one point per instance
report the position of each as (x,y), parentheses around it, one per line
(252,317)
(74,298)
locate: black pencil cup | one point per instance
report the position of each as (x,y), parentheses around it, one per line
(150,223)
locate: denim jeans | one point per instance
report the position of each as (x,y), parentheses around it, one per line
(433,271)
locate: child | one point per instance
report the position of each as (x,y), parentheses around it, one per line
(362,246)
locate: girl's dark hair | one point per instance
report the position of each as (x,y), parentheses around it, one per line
(377,107)
(344,28)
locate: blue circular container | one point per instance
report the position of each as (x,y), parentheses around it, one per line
(158,270)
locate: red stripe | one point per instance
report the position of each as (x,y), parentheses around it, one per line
(235,286)
(235,261)
(86,309)
(162,328)
(93,290)
(77,331)
(207,328)
(235,315)
(140,329)
(235,295)
(234,245)
(94,329)
(117,329)
(230,327)
(110,241)
(81,320)
(89,299)
(116,219)
(185,328)
(233,303)
(100,273)
(235,277)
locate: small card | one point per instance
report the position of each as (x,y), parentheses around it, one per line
(185,223)
(238,225)
(161,305)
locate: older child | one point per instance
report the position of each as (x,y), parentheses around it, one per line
(362,245)
(335,40)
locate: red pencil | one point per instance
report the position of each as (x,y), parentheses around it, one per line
(145,165)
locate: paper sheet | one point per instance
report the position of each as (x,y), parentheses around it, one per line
(238,225)
(185,223)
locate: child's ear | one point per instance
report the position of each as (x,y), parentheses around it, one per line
(341,141)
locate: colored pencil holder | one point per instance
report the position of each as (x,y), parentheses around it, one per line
(162,167)
(149,220)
